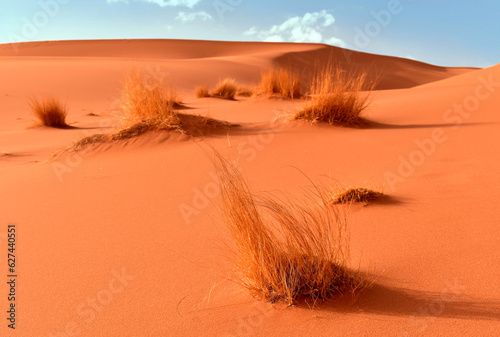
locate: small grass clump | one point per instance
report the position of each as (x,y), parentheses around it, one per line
(202,92)
(225,89)
(284,251)
(49,111)
(337,97)
(282,82)
(148,101)
(351,195)
(244,91)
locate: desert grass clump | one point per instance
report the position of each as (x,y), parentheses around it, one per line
(147,100)
(244,91)
(352,195)
(337,97)
(282,82)
(202,92)
(225,89)
(49,111)
(285,250)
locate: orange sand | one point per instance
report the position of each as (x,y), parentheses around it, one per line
(123,239)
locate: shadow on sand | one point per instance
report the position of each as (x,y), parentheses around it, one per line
(389,301)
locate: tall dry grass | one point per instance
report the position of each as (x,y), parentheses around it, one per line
(49,111)
(337,97)
(282,82)
(149,101)
(284,250)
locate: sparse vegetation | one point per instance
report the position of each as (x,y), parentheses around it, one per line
(225,89)
(337,97)
(244,91)
(282,82)
(149,105)
(202,92)
(351,195)
(285,250)
(49,111)
(148,101)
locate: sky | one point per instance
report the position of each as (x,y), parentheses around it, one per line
(441,32)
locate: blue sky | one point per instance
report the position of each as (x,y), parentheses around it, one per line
(443,32)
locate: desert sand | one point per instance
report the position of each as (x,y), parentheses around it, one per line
(124,239)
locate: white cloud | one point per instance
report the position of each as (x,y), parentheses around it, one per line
(187,17)
(274,38)
(334,41)
(165,3)
(308,28)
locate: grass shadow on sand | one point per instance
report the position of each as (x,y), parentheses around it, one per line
(369,124)
(415,304)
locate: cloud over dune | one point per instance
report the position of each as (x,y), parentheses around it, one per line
(309,28)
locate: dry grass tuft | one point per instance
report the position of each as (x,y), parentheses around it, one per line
(351,195)
(244,92)
(337,97)
(225,89)
(148,101)
(93,139)
(284,251)
(191,125)
(149,106)
(202,92)
(282,82)
(49,111)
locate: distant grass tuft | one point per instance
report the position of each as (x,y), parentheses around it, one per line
(202,92)
(351,195)
(225,89)
(49,111)
(148,101)
(282,82)
(337,97)
(244,92)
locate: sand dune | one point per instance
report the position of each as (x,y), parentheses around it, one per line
(391,72)
(124,239)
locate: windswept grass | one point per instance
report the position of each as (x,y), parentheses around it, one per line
(337,97)
(49,111)
(282,82)
(285,250)
(351,195)
(225,89)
